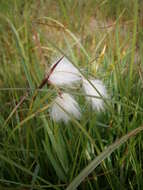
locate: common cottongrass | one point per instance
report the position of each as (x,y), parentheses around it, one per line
(94,93)
(65,73)
(62,104)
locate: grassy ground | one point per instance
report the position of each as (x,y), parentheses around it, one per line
(104,38)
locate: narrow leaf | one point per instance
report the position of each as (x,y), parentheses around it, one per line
(75,183)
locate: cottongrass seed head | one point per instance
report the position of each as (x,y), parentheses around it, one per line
(96,103)
(65,73)
(64,106)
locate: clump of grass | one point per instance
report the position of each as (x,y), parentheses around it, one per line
(37,153)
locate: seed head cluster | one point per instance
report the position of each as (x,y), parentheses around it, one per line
(65,106)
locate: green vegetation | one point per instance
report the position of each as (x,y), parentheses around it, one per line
(104,38)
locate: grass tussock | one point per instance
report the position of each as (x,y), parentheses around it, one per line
(101,38)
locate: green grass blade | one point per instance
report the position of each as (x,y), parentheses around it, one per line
(11,162)
(75,183)
(21,51)
(133,42)
(70,34)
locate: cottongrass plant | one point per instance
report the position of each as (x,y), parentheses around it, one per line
(65,73)
(95,93)
(64,105)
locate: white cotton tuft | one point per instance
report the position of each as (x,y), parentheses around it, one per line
(65,73)
(97,103)
(62,104)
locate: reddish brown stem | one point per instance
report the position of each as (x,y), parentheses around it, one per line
(45,80)
(43,83)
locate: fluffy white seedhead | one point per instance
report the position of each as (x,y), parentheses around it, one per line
(65,73)
(62,105)
(97,103)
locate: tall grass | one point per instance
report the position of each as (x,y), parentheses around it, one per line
(103,39)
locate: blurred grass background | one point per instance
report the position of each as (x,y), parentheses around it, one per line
(104,38)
